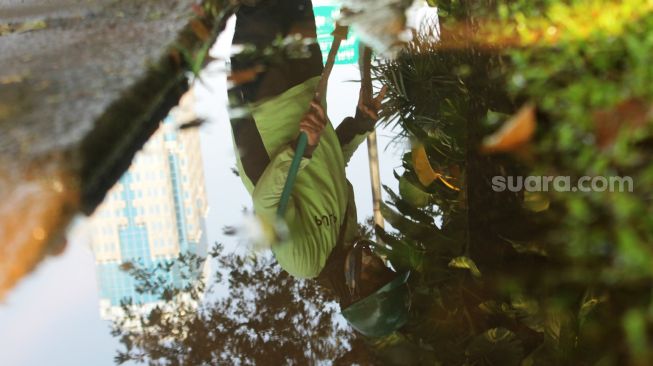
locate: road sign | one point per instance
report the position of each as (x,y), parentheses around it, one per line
(325,16)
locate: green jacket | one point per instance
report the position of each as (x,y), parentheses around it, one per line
(321,194)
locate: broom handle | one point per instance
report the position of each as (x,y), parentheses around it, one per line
(366,72)
(339,34)
(372,150)
(292,174)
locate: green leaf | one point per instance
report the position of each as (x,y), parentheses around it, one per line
(406,208)
(413,195)
(465,263)
(421,232)
(402,254)
(527,247)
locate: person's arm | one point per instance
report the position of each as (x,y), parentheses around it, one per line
(267,193)
(352,131)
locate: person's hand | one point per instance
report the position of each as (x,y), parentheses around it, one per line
(369,111)
(313,123)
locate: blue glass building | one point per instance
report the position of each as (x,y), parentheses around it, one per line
(155,212)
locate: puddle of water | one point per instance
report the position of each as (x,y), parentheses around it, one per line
(503,276)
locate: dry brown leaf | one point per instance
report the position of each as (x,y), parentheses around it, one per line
(536,201)
(424,170)
(514,133)
(244,76)
(630,114)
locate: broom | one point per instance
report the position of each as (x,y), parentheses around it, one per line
(339,34)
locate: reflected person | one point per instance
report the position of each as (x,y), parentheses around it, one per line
(321,214)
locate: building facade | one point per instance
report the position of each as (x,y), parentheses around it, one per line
(155,212)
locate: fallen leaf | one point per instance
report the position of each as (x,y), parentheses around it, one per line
(630,114)
(423,169)
(514,133)
(535,201)
(244,76)
(425,173)
(465,263)
(527,247)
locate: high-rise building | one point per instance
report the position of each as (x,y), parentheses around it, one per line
(155,212)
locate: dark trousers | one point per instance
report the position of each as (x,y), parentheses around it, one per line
(259,26)
(332,275)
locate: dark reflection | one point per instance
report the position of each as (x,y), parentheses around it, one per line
(520,274)
(265,317)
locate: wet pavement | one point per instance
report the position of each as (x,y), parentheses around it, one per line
(83,84)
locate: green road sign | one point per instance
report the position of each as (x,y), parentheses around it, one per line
(325,16)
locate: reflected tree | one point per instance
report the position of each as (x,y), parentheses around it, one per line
(252,313)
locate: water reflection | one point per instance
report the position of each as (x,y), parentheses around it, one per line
(149,242)
(155,212)
(497,276)
(292,161)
